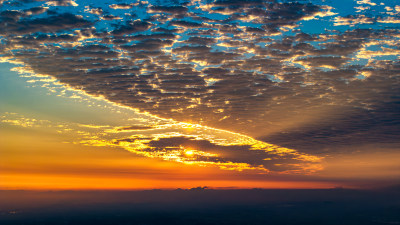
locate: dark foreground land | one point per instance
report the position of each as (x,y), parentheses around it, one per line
(199,206)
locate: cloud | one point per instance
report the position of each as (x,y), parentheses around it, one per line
(187,144)
(50,24)
(35,11)
(327,12)
(131,27)
(121,6)
(61,3)
(330,61)
(240,157)
(252,67)
(96,11)
(389,20)
(169,9)
(353,20)
(368,2)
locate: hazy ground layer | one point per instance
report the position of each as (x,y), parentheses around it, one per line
(200,206)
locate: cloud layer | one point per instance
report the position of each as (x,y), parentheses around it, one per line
(177,142)
(262,68)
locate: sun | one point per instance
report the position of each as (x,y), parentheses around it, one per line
(189,153)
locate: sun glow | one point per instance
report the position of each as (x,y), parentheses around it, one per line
(189,153)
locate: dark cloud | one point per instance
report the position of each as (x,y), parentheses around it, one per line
(135,128)
(131,27)
(169,9)
(35,11)
(378,127)
(238,157)
(334,61)
(200,41)
(147,44)
(166,35)
(121,6)
(186,24)
(110,17)
(51,24)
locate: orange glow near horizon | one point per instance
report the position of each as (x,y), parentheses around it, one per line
(40,162)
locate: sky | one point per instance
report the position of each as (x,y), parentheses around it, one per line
(180,94)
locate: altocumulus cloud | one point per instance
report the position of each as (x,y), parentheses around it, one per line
(253,67)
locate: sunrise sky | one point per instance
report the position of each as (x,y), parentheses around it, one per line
(180,94)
